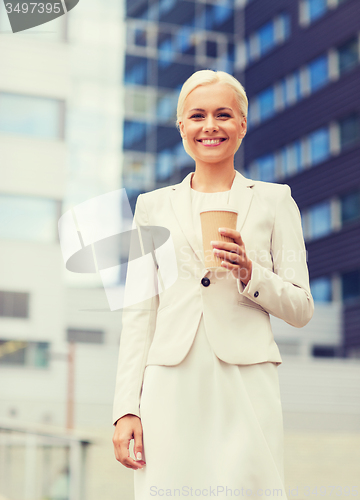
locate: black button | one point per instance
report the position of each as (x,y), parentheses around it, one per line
(205,282)
(256,294)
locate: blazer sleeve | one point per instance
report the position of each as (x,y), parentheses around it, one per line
(285,291)
(141,302)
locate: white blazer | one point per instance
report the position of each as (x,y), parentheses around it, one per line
(160,330)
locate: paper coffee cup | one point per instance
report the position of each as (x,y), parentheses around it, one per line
(211,220)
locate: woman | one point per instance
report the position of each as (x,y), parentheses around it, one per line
(197,383)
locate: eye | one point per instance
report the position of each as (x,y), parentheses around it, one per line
(225,114)
(198,115)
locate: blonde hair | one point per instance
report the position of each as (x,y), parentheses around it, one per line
(207,77)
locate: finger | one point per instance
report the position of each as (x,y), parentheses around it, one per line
(228,245)
(237,255)
(130,463)
(231,233)
(138,443)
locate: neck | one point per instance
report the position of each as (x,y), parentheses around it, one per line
(213,178)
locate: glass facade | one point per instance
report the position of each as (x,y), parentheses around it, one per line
(167,41)
(28,218)
(31,116)
(291,89)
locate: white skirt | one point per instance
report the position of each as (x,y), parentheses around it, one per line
(211,428)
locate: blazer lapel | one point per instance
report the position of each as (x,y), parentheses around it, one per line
(181,202)
(241,196)
(240,199)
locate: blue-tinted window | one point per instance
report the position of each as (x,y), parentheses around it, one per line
(166,107)
(297,85)
(166,52)
(291,158)
(231,51)
(319,73)
(134,133)
(316,8)
(349,130)
(166,5)
(266,168)
(165,165)
(285,18)
(266,37)
(136,70)
(350,206)
(211,48)
(319,145)
(266,101)
(320,219)
(183,41)
(177,12)
(321,289)
(28,218)
(30,115)
(351,284)
(140,37)
(171,76)
(348,55)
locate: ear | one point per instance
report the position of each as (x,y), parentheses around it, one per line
(182,130)
(243,128)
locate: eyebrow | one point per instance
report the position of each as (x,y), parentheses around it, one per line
(199,109)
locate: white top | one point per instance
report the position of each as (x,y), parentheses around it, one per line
(202,201)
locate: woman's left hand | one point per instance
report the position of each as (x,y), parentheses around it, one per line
(233,254)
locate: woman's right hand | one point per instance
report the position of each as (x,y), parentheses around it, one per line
(127,428)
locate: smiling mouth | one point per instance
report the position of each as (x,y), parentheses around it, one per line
(211,142)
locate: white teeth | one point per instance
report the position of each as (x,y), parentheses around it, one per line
(211,141)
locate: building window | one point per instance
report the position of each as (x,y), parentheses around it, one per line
(348,55)
(350,207)
(321,289)
(165,165)
(166,107)
(217,14)
(30,115)
(291,159)
(318,73)
(294,87)
(324,351)
(349,130)
(28,218)
(266,36)
(269,35)
(136,70)
(264,168)
(319,145)
(140,37)
(134,134)
(28,354)
(85,336)
(14,304)
(350,285)
(316,8)
(266,104)
(185,41)
(319,216)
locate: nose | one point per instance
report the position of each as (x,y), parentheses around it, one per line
(210,124)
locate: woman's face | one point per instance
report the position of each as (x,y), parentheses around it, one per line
(212,123)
